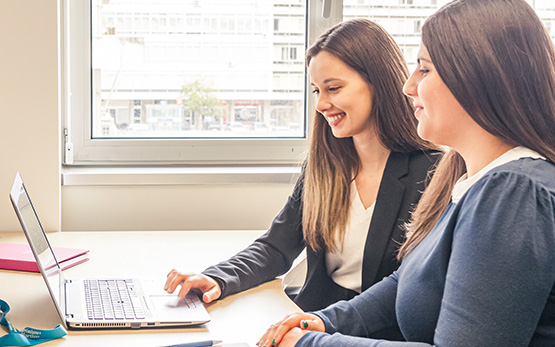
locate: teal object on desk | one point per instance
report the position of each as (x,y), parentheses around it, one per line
(29,336)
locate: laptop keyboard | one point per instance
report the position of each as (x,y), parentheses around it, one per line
(112,299)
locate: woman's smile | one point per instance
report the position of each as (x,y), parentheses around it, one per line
(335,118)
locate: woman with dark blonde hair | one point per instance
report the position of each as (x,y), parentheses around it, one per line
(479,261)
(365,171)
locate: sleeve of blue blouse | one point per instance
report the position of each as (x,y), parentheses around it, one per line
(351,323)
(501,268)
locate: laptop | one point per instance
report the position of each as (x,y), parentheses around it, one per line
(102,303)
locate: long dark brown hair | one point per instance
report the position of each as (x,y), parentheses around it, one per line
(497,59)
(332,162)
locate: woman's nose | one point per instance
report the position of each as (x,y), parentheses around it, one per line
(322,104)
(410,87)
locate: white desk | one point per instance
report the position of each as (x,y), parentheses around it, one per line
(242,317)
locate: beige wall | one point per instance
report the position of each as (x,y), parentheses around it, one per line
(172,207)
(29,115)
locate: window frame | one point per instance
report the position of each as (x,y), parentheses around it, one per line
(80,149)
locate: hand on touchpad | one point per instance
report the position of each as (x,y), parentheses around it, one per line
(161,301)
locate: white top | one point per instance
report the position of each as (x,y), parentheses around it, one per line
(345,265)
(464,183)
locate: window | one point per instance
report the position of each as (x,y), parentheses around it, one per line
(185,82)
(417,26)
(205,82)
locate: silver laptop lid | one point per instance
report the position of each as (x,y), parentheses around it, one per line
(46,260)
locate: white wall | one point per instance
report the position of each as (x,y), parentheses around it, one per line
(30,144)
(29,116)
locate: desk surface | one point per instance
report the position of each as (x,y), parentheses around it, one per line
(243,317)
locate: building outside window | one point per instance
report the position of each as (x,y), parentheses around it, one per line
(404,20)
(181,52)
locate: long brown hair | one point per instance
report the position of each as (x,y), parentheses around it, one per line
(497,59)
(368,49)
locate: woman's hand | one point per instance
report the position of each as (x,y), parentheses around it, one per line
(290,329)
(209,288)
(290,339)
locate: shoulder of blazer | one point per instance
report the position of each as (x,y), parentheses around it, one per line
(402,164)
(397,164)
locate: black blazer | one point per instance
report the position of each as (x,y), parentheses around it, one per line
(273,253)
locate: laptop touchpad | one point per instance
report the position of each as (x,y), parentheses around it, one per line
(166,301)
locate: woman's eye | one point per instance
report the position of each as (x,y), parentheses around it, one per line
(315,91)
(424,71)
(333,89)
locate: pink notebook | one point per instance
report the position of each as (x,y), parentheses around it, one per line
(20,257)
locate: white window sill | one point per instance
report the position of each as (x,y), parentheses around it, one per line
(118,176)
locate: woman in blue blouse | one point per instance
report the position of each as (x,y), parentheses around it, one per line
(479,262)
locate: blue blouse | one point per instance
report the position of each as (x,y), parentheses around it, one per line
(484,275)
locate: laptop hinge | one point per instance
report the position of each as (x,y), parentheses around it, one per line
(66,304)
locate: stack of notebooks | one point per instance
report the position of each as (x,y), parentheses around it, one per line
(20,257)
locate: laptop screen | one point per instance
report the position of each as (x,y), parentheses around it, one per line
(34,232)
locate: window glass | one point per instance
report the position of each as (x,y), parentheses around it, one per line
(197,69)
(403,19)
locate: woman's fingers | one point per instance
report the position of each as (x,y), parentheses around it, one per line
(280,332)
(212,294)
(276,332)
(271,337)
(265,340)
(173,279)
(313,324)
(191,281)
